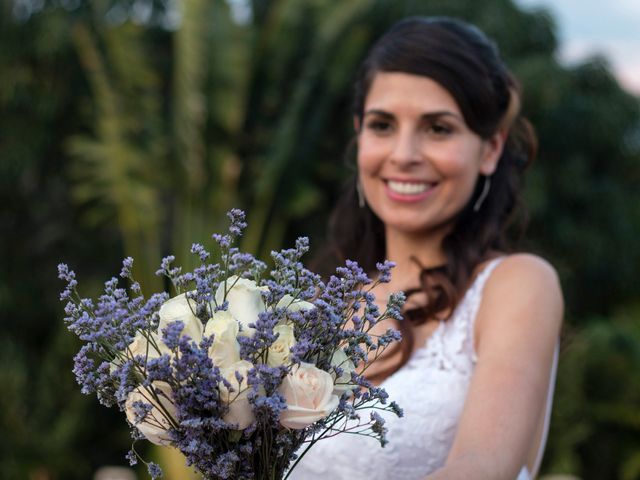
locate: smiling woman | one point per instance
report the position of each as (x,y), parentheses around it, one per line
(417,158)
(441,148)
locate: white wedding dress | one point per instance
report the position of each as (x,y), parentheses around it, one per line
(431,389)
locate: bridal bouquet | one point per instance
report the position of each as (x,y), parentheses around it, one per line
(241,371)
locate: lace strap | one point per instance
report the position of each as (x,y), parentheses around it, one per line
(483,276)
(475,292)
(450,346)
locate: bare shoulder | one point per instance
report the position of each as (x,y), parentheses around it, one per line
(525,266)
(521,294)
(524,275)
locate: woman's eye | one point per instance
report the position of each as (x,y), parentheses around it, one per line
(439,129)
(379,126)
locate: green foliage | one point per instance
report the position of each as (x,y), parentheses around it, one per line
(595,431)
(46,418)
(583,194)
(125,133)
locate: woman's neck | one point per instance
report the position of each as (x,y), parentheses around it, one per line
(411,253)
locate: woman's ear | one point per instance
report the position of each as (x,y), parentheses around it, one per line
(492,150)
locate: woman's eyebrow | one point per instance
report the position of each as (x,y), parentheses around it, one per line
(375,111)
(441,113)
(426,116)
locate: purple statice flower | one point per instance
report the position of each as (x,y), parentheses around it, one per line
(246,265)
(147,317)
(226,465)
(378,427)
(132,457)
(154,470)
(181,282)
(68,276)
(125,376)
(200,251)
(158,369)
(84,368)
(136,435)
(166,269)
(224,241)
(254,346)
(238,223)
(267,408)
(141,410)
(395,304)
(200,394)
(395,408)
(301,350)
(289,275)
(127,266)
(171,334)
(384,271)
(126,272)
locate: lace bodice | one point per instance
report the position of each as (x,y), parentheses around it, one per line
(431,389)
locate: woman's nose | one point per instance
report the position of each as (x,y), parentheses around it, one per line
(406,150)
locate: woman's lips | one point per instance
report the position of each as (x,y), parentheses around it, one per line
(413,191)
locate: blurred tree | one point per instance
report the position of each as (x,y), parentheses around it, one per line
(129,127)
(42,417)
(595,430)
(584,196)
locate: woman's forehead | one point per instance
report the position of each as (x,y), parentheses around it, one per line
(391,91)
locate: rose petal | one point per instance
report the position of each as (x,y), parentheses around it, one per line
(156,425)
(245,301)
(181,308)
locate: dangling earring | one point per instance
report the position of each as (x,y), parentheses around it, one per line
(361,202)
(483,194)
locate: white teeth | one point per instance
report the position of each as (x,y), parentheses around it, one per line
(405,188)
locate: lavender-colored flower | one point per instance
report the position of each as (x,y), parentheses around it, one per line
(132,457)
(384,270)
(171,334)
(154,470)
(378,427)
(127,266)
(200,251)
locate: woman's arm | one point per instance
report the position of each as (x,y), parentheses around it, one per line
(516,332)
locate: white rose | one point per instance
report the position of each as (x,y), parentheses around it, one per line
(225,349)
(149,346)
(343,382)
(309,395)
(245,301)
(280,349)
(240,410)
(155,425)
(181,308)
(292,305)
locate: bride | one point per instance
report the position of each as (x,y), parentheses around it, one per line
(440,151)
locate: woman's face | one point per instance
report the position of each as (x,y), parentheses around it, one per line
(418,160)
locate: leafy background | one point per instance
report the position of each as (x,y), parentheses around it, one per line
(128,127)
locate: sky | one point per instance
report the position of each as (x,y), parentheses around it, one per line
(587,27)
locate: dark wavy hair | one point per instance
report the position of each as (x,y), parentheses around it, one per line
(460,58)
